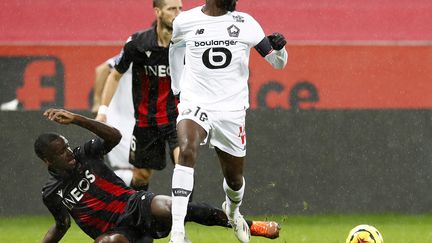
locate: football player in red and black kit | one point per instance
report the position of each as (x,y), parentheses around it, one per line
(154,103)
(81,185)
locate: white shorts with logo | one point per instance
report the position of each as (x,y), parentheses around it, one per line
(225,129)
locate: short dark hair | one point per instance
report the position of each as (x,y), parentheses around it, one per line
(42,142)
(158,3)
(229,5)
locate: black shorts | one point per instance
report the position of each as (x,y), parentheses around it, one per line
(137,220)
(148,146)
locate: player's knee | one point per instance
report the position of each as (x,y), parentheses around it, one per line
(188,155)
(113,238)
(142,176)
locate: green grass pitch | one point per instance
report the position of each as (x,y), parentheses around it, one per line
(295,229)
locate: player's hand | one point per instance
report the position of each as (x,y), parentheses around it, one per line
(277,41)
(59,116)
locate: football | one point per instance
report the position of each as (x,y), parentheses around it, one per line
(364,234)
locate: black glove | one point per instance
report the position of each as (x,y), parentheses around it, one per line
(277,41)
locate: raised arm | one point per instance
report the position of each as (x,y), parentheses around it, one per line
(109,134)
(279,57)
(272,48)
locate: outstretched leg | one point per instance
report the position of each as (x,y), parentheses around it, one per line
(208,215)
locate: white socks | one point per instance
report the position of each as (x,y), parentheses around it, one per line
(233,198)
(182,186)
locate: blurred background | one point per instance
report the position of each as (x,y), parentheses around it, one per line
(345,128)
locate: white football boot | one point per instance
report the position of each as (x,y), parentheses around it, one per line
(239,225)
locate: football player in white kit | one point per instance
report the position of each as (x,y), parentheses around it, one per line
(209,58)
(120,114)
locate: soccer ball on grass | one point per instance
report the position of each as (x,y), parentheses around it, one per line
(364,234)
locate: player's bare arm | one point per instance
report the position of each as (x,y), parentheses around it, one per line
(109,134)
(102,72)
(107,94)
(58,230)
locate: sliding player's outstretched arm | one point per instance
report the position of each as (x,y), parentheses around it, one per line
(58,230)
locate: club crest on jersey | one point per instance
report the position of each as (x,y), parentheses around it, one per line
(233,31)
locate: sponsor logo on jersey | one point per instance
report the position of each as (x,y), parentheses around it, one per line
(157,70)
(199,32)
(76,194)
(238,18)
(216,43)
(233,31)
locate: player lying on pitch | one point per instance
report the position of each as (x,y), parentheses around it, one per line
(83,186)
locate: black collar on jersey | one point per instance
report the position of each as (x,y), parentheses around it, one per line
(147,40)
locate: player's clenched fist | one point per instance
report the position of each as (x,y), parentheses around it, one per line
(277,41)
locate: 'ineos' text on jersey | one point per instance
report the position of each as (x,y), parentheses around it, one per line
(77,193)
(157,70)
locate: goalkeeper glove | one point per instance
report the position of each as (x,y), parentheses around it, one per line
(277,41)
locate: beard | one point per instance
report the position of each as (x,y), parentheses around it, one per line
(166,24)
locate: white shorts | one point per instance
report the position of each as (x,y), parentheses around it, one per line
(225,129)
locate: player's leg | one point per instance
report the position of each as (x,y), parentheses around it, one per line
(208,215)
(147,153)
(192,129)
(190,135)
(170,133)
(229,140)
(112,238)
(141,178)
(234,184)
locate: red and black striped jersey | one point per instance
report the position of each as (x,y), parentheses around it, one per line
(92,194)
(154,102)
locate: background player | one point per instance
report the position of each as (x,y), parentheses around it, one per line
(120,114)
(83,186)
(154,103)
(212,81)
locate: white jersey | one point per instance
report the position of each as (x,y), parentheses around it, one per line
(121,116)
(215,70)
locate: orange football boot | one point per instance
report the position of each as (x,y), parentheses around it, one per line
(267,229)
